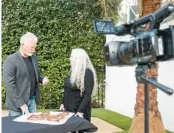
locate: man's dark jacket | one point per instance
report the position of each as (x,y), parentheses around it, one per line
(17,82)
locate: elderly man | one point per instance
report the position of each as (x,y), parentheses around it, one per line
(21,78)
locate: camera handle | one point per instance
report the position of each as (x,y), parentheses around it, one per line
(141,77)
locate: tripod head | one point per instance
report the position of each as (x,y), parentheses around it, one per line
(141,77)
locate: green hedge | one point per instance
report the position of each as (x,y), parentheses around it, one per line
(60,26)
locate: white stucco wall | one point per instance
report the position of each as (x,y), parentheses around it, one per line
(166,103)
(121,91)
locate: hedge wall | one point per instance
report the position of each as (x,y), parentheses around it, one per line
(60,26)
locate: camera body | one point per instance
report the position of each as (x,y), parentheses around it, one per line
(147,46)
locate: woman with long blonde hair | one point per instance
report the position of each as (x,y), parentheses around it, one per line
(79,85)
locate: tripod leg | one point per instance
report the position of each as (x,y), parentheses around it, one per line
(146,110)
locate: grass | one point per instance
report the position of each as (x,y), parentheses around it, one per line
(115,119)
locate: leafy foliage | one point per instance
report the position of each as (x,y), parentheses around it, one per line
(60,26)
(110,9)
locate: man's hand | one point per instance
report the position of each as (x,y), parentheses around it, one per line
(45,81)
(24,109)
(62,107)
(79,114)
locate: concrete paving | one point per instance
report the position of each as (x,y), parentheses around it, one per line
(103,126)
(4,113)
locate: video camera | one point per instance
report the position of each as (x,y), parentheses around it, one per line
(147,46)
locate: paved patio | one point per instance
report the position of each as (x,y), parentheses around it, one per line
(103,126)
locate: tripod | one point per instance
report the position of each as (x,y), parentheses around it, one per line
(141,77)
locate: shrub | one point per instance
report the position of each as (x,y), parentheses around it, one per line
(60,26)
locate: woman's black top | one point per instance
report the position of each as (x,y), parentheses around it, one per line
(72,99)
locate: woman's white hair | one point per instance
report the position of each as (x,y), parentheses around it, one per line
(28,37)
(80,61)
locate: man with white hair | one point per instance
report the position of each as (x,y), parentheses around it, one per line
(21,78)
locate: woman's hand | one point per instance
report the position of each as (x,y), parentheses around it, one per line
(45,81)
(79,114)
(62,107)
